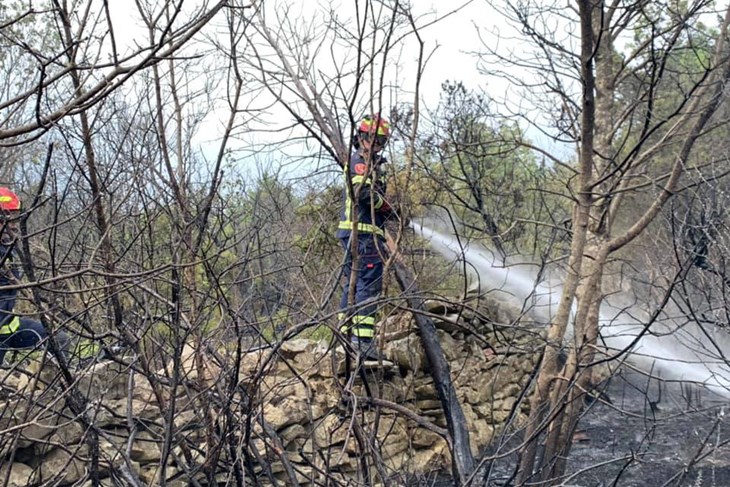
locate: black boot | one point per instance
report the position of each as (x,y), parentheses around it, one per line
(366,350)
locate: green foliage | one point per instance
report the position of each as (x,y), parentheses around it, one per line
(86,349)
(28,37)
(674,65)
(320,333)
(321,211)
(656,95)
(480,168)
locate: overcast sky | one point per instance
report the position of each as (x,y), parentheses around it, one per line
(451,37)
(448,40)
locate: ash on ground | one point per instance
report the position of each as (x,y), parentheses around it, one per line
(654,434)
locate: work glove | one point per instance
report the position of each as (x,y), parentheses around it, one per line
(394,214)
(388,211)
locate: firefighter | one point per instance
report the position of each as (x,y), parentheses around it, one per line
(16,332)
(367,208)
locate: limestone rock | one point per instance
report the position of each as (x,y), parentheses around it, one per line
(450,347)
(66,432)
(116,411)
(297,394)
(32,418)
(397,326)
(292,348)
(425,390)
(102,483)
(21,475)
(143,390)
(186,419)
(289,411)
(145,448)
(481,435)
(293,432)
(64,465)
(106,379)
(422,438)
(316,360)
(431,459)
(251,363)
(274,389)
(406,352)
(198,366)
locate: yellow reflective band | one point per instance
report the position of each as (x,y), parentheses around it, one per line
(363,332)
(359,322)
(361,180)
(365,180)
(361,227)
(363,320)
(5,199)
(348,208)
(11,327)
(347,224)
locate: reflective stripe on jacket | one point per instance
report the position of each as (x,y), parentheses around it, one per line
(9,275)
(11,327)
(370,191)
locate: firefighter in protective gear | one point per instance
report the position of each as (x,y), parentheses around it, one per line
(16,332)
(364,215)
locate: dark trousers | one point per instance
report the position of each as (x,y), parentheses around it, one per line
(360,319)
(29,334)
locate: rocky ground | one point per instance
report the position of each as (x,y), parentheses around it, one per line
(651,436)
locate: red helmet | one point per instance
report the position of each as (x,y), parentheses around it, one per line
(374,126)
(9,201)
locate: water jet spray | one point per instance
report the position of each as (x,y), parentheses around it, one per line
(668,346)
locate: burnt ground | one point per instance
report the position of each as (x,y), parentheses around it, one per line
(653,434)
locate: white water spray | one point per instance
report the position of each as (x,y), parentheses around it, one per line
(677,349)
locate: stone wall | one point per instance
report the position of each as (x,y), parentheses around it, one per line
(284,415)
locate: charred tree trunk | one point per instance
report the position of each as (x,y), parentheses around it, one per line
(462,458)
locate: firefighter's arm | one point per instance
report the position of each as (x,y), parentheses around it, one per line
(367,194)
(392,209)
(8,321)
(369,184)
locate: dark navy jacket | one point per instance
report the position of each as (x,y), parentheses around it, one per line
(10,274)
(371,199)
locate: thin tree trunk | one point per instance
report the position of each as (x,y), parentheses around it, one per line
(540,399)
(565,404)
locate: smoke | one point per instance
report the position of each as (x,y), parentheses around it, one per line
(673,346)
